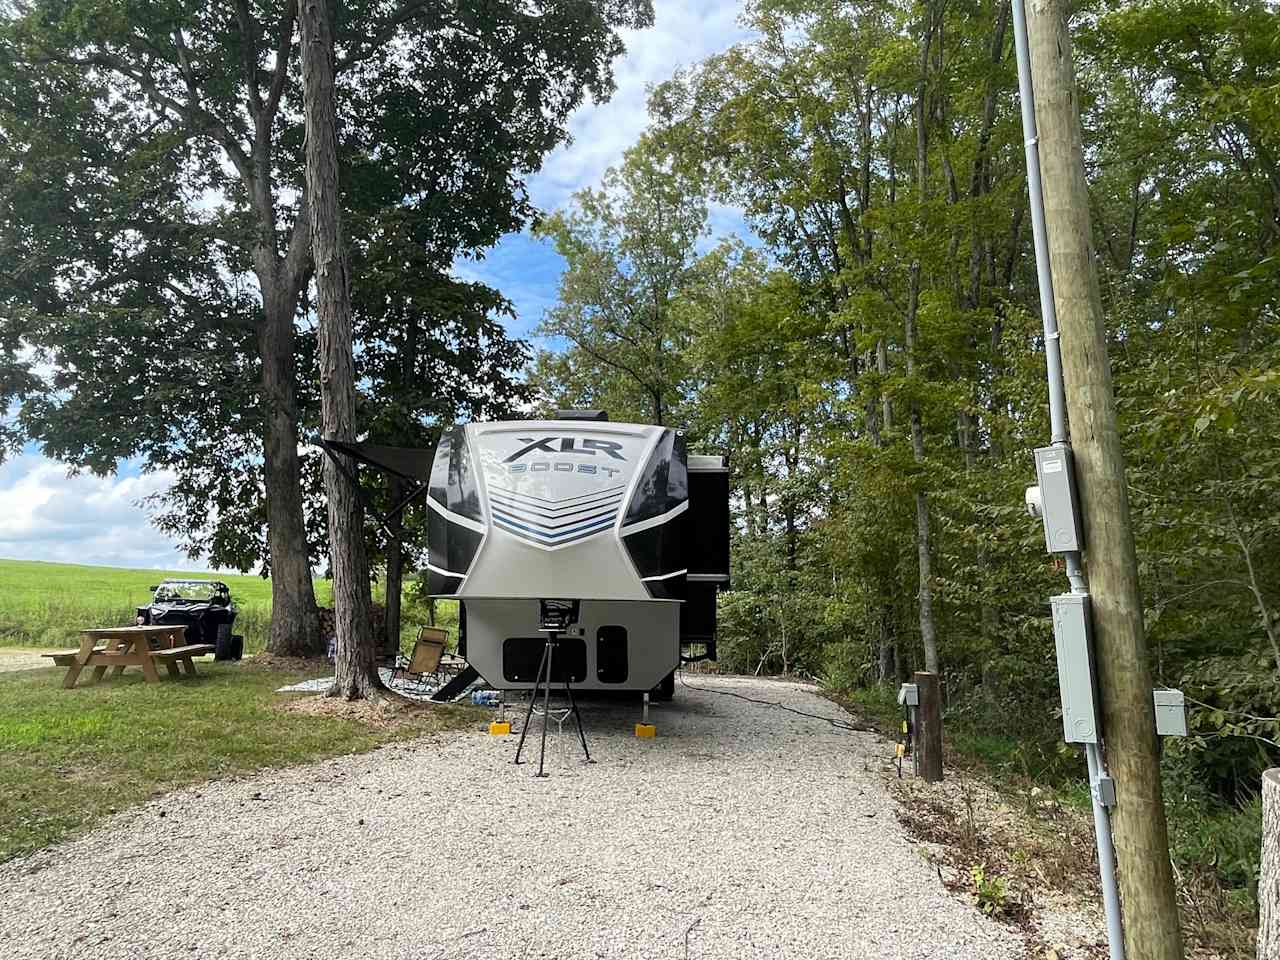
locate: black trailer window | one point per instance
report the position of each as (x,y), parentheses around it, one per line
(521,657)
(611,654)
(664,484)
(453,481)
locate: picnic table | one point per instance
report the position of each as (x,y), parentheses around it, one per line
(115,648)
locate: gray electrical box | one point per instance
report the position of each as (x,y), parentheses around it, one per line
(909,695)
(1077,682)
(1171,712)
(1061,507)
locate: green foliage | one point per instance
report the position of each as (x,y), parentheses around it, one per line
(628,249)
(991,892)
(155,239)
(1213,838)
(883,341)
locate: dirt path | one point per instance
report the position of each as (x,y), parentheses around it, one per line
(21,658)
(741,831)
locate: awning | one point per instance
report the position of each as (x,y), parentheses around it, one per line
(407,462)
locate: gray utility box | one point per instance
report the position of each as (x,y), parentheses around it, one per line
(1171,712)
(1056,474)
(1077,682)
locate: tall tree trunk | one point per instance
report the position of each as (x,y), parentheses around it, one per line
(295,627)
(924,552)
(888,671)
(356,667)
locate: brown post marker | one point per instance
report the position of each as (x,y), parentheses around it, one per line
(1139,830)
(929,726)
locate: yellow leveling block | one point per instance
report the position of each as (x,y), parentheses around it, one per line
(500,729)
(646,730)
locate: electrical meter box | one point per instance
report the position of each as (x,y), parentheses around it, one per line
(1077,680)
(1059,503)
(909,695)
(1171,712)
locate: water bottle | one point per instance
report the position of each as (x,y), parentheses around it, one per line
(484,698)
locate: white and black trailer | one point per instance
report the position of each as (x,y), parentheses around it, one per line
(616,516)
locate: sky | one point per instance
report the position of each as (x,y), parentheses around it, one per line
(48,514)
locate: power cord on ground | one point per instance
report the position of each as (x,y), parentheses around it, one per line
(835,722)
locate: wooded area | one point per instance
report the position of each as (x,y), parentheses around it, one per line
(871,360)
(868,355)
(154,223)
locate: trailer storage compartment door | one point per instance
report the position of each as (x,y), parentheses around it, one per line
(708,552)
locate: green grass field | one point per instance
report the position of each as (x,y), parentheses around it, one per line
(48,604)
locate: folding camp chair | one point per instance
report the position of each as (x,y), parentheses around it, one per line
(425,664)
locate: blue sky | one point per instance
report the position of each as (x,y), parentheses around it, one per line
(46,514)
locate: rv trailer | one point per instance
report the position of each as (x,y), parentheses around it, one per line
(617,516)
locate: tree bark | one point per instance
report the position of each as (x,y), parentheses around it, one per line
(924,551)
(1140,832)
(295,626)
(888,659)
(1269,887)
(355,666)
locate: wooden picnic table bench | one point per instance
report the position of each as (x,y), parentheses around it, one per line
(115,648)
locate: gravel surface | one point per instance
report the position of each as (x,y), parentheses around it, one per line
(740,831)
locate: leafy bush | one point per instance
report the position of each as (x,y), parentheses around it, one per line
(1233,730)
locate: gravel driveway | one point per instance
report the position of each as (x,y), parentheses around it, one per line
(752,831)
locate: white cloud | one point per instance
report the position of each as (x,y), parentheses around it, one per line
(683,34)
(45,514)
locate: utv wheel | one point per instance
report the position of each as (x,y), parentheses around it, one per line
(223,646)
(666,688)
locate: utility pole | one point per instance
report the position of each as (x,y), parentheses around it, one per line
(1128,722)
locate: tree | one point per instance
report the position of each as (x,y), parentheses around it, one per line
(356,665)
(628,248)
(159,152)
(433,352)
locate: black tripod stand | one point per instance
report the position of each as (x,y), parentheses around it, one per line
(543,683)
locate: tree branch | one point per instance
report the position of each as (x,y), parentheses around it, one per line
(284,42)
(406,12)
(297,259)
(199,119)
(249,57)
(615,364)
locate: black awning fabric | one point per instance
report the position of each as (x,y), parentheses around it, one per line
(407,462)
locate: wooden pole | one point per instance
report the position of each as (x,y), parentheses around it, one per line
(929,726)
(1269,887)
(1138,820)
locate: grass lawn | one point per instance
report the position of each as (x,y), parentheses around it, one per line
(47,604)
(71,757)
